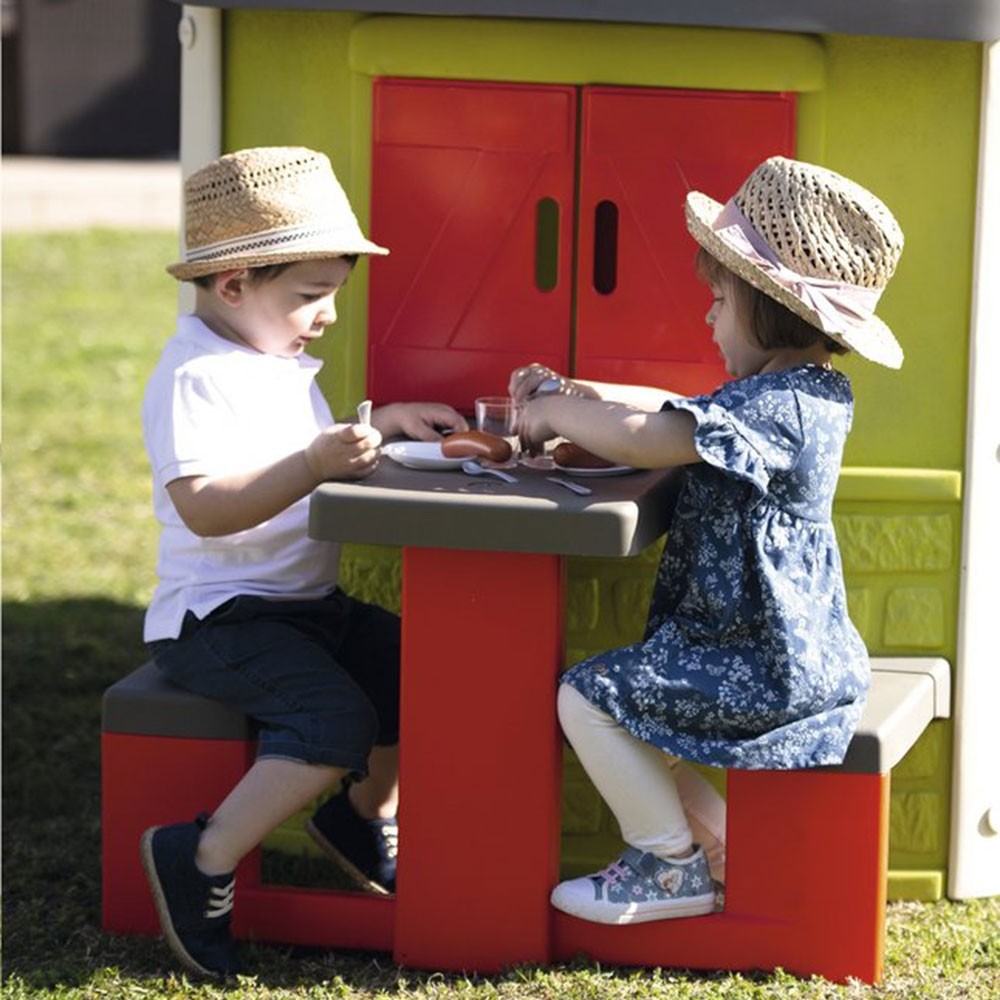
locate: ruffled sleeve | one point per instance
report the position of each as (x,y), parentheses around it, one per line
(749,436)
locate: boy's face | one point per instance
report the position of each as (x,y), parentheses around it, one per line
(282,315)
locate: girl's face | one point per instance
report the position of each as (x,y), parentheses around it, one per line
(283,315)
(741,353)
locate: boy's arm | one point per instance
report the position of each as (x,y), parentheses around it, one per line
(222,505)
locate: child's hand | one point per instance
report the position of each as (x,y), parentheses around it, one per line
(418,421)
(534,426)
(525,381)
(348,451)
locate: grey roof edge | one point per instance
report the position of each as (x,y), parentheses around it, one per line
(950,20)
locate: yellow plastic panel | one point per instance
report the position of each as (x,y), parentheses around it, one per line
(288,82)
(901,485)
(568,52)
(901,117)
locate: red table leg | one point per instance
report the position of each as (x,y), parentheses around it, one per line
(481,758)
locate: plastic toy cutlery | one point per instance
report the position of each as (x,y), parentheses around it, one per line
(583,491)
(473,468)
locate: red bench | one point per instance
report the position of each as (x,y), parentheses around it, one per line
(806,867)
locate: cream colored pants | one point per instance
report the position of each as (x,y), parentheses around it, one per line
(662,804)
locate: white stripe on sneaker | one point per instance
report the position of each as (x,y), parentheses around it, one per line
(220,900)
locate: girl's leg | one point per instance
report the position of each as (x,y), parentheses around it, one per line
(617,753)
(705,809)
(659,875)
(634,778)
(271,791)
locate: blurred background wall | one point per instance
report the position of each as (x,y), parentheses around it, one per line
(91,78)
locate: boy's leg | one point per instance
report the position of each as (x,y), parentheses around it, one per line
(191,865)
(370,651)
(271,791)
(357,827)
(261,658)
(377,796)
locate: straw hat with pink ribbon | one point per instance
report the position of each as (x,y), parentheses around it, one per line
(818,243)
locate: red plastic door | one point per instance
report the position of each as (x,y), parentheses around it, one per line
(472,192)
(640,309)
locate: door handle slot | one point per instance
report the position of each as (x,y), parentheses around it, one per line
(547,244)
(605,247)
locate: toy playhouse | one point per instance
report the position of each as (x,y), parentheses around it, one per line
(526,163)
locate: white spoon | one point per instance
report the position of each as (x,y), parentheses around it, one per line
(582,491)
(365,412)
(472,468)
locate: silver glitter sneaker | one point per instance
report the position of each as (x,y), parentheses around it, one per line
(638,887)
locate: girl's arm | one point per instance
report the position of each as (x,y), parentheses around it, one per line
(619,432)
(524,382)
(642,397)
(211,506)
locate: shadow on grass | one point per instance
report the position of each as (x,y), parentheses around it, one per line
(58,658)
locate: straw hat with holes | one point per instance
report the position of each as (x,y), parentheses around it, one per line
(818,243)
(269,205)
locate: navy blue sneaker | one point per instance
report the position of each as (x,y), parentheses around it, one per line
(365,849)
(194,909)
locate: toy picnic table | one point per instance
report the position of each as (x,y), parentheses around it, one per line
(483,608)
(481,765)
(482,645)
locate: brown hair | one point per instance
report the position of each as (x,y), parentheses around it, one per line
(769,323)
(266,272)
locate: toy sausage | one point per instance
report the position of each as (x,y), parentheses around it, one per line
(572,456)
(476,444)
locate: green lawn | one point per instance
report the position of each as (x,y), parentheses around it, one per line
(84,316)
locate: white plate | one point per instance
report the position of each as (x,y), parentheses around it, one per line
(609,470)
(420,455)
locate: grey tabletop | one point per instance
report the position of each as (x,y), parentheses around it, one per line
(449,509)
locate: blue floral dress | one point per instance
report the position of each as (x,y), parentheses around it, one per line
(749,658)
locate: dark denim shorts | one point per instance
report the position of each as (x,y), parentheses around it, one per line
(320,677)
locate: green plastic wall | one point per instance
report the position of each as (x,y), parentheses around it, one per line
(899,116)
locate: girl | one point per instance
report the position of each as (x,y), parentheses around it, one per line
(749,658)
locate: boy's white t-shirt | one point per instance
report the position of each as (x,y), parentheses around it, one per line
(214,408)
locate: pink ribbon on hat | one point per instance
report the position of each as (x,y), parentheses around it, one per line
(836,303)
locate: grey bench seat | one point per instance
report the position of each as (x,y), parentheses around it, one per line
(145,703)
(907,693)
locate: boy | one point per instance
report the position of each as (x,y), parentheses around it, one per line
(247,610)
